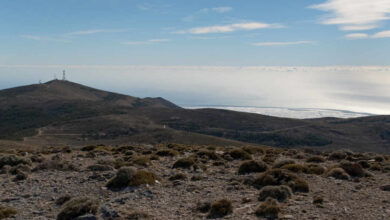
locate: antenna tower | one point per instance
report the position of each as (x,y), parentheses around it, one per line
(63,75)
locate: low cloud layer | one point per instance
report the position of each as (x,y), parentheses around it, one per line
(361,89)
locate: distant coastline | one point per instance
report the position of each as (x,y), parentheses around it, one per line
(298,113)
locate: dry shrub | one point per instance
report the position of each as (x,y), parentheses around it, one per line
(185,163)
(315,159)
(252,167)
(203,207)
(220,208)
(142,161)
(318,199)
(63,199)
(282,163)
(77,207)
(338,155)
(312,168)
(268,209)
(13,160)
(6,212)
(280,193)
(296,168)
(178,176)
(167,153)
(353,169)
(239,154)
(137,216)
(375,167)
(20,168)
(338,173)
(122,178)
(100,167)
(364,164)
(55,165)
(142,177)
(254,149)
(208,154)
(277,177)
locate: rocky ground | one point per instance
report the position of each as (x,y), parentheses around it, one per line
(64,183)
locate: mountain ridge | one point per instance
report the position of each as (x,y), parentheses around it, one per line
(70,113)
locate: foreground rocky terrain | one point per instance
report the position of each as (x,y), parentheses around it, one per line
(192,182)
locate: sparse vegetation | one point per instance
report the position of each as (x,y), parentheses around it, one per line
(252,167)
(277,177)
(220,208)
(77,207)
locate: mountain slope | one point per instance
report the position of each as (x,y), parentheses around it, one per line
(69,113)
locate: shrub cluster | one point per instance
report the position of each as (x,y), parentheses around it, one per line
(220,208)
(77,207)
(252,167)
(269,209)
(277,177)
(280,193)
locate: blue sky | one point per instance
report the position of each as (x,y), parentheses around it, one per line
(280,53)
(201,32)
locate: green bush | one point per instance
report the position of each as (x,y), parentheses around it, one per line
(77,207)
(252,167)
(280,193)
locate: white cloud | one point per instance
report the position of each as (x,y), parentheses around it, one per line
(43,38)
(354,15)
(382,34)
(222,9)
(203,11)
(357,36)
(145,42)
(229,28)
(283,43)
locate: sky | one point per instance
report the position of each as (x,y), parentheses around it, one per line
(301,53)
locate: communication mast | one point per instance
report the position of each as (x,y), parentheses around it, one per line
(63,75)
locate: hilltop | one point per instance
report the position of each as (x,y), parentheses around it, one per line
(66,113)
